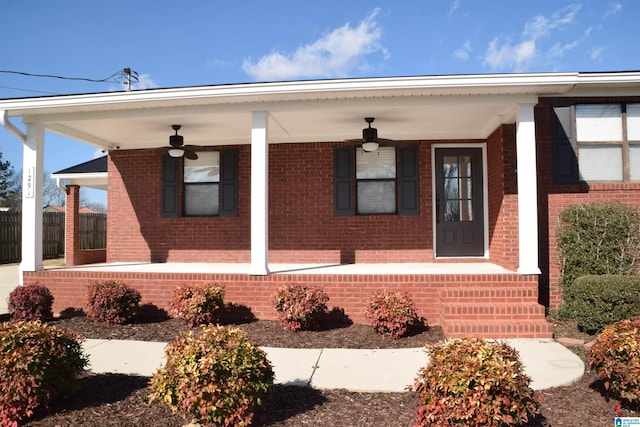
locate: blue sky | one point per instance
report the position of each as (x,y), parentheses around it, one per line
(200,42)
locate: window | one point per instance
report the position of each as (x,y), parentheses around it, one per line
(202,184)
(209,185)
(376,181)
(604,147)
(384,181)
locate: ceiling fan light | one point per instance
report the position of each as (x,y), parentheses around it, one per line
(370,146)
(176,152)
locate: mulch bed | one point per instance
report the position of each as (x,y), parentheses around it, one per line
(120,400)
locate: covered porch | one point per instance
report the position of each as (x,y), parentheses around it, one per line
(431,113)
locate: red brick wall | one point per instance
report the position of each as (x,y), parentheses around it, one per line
(503,197)
(302,227)
(554,198)
(350,293)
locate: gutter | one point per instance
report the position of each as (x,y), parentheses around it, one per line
(4,119)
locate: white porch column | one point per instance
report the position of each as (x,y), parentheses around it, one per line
(32,183)
(259,194)
(527,190)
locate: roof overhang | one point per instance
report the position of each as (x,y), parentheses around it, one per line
(405,108)
(95,180)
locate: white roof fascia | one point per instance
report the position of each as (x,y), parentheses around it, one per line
(306,91)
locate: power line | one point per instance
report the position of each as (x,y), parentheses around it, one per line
(28,90)
(127,74)
(119,73)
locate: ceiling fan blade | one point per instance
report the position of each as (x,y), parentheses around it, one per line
(190,154)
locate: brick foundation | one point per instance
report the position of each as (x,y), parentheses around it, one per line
(483,305)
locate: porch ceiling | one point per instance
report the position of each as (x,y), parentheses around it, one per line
(405,108)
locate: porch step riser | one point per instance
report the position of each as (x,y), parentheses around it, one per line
(509,311)
(493,312)
(493,295)
(498,329)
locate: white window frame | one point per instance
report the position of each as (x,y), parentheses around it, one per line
(376,176)
(204,176)
(608,146)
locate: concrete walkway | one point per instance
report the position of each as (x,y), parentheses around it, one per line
(9,279)
(548,363)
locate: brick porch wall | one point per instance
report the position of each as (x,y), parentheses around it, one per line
(490,305)
(503,197)
(302,226)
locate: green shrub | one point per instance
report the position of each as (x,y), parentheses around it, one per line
(473,382)
(198,303)
(219,377)
(31,302)
(615,356)
(597,238)
(391,313)
(112,302)
(37,362)
(300,306)
(599,301)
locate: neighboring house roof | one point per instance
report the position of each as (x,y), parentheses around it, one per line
(91,174)
(92,166)
(53,208)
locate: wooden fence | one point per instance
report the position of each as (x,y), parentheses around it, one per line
(93,234)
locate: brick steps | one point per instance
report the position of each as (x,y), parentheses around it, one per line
(496,311)
(493,312)
(498,329)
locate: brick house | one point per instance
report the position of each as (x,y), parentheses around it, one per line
(455,203)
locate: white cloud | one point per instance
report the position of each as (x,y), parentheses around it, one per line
(144,82)
(519,56)
(219,63)
(614,8)
(463,52)
(596,53)
(455,4)
(559,50)
(334,54)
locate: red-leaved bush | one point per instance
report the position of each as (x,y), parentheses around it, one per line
(391,313)
(37,362)
(112,302)
(198,303)
(219,377)
(615,356)
(299,306)
(31,302)
(472,382)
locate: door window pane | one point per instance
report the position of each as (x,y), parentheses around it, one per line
(458,188)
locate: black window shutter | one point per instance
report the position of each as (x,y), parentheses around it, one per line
(343,181)
(565,160)
(170,183)
(408,182)
(229,183)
